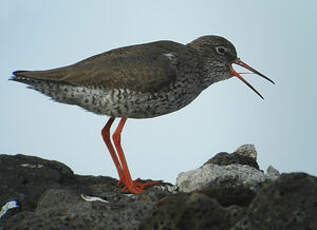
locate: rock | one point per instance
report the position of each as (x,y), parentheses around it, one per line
(64,209)
(290,202)
(236,170)
(210,174)
(51,198)
(226,195)
(191,211)
(20,175)
(247,151)
(245,155)
(222,194)
(272,172)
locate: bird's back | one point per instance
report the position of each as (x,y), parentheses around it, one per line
(139,67)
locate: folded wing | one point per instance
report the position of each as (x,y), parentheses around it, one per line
(141,67)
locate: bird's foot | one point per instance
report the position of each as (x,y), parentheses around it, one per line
(137,186)
(120,182)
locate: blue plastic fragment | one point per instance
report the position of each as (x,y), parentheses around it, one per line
(9,205)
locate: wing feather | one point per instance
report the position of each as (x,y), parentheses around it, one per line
(140,67)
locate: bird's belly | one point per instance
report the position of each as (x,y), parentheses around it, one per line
(124,103)
(119,102)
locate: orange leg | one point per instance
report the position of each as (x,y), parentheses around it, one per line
(106,137)
(133,186)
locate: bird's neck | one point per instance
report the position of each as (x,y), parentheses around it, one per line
(214,71)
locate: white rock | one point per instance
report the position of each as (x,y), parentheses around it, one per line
(272,173)
(201,178)
(247,150)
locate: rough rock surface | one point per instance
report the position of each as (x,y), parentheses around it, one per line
(244,155)
(288,203)
(238,169)
(236,196)
(50,197)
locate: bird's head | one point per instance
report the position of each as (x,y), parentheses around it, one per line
(218,55)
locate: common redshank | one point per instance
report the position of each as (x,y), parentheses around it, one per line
(139,81)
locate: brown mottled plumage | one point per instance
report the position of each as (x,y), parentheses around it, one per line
(140,67)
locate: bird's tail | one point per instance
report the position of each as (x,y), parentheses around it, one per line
(52,88)
(31,76)
(48,83)
(24,77)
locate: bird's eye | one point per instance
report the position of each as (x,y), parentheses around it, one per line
(221,50)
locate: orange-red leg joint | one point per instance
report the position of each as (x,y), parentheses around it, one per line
(119,159)
(106,137)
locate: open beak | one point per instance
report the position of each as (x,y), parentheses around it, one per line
(241,63)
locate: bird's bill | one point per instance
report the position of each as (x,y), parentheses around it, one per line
(241,63)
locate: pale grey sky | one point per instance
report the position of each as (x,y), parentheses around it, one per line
(275,37)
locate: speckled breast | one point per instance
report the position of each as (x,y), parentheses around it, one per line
(122,102)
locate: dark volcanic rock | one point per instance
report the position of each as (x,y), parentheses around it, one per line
(65,209)
(288,203)
(245,155)
(194,211)
(26,178)
(232,158)
(50,196)
(237,196)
